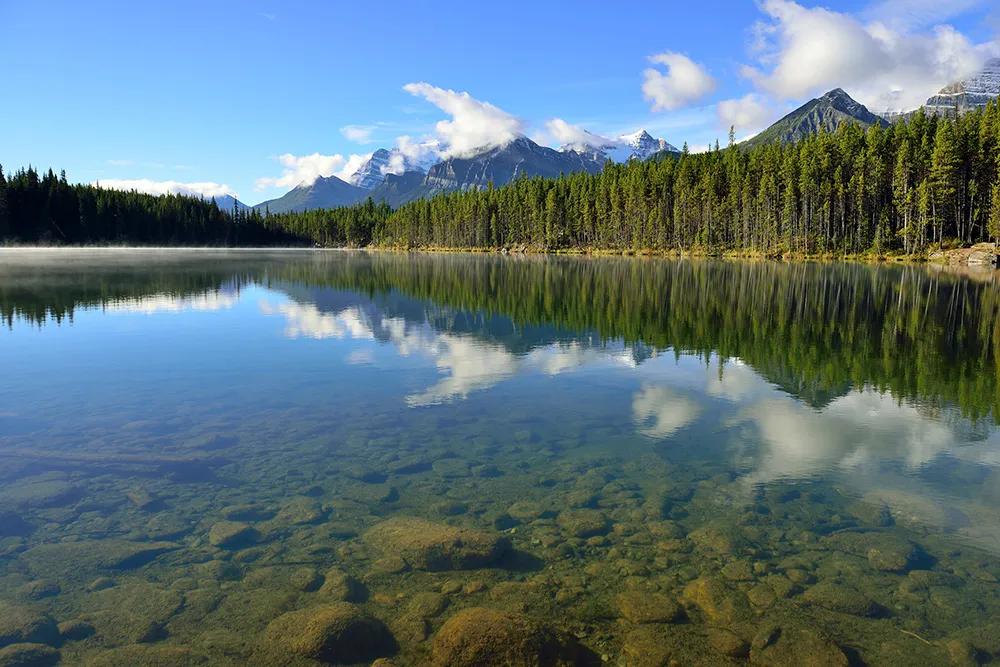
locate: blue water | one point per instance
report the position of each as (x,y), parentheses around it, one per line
(650,427)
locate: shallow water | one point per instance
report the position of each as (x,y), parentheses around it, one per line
(704,462)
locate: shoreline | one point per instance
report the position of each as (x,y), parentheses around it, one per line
(980,255)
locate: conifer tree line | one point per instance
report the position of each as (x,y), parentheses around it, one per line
(928,181)
(47,209)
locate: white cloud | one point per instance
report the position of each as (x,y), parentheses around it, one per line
(660,411)
(566,134)
(200,189)
(807,51)
(305,169)
(474,124)
(684,82)
(862,427)
(150,305)
(359,134)
(906,14)
(748,114)
(410,153)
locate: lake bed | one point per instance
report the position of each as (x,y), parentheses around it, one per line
(299,457)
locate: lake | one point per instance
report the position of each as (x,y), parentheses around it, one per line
(284,457)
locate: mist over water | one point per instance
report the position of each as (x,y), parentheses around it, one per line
(200,449)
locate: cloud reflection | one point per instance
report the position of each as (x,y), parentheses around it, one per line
(165,303)
(467,363)
(660,411)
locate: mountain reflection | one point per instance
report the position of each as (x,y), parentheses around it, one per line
(469,351)
(881,379)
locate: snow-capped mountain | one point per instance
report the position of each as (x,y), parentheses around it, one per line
(974,92)
(637,146)
(383,161)
(642,145)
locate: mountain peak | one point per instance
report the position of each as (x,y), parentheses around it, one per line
(636,137)
(971,93)
(825,113)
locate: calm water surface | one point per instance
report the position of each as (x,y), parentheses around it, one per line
(642,462)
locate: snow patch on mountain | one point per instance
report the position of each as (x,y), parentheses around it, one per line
(639,145)
(407,156)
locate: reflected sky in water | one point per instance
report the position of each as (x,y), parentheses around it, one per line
(100,353)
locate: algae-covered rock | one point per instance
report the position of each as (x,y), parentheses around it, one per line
(583,523)
(337,633)
(645,607)
(426,604)
(19,625)
(305,579)
(719,538)
(39,589)
(426,545)
(28,655)
(232,535)
(133,612)
(75,630)
(299,512)
(71,560)
(720,604)
(884,551)
(481,637)
(843,598)
(39,492)
(784,645)
(727,643)
(645,647)
(146,655)
(342,587)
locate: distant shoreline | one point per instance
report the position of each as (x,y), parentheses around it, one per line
(981,255)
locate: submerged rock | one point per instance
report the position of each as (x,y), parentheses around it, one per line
(75,630)
(39,589)
(40,492)
(28,655)
(481,637)
(134,612)
(145,655)
(305,579)
(426,545)
(884,551)
(71,560)
(232,535)
(842,598)
(340,586)
(336,633)
(583,523)
(727,643)
(720,604)
(795,645)
(23,625)
(300,512)
(643,607)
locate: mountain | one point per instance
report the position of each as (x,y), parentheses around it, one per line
(226,202)
(398,189)
(828,113)
(640,145)
(972,93)
(498,165)
(502,164)
(325,192)
(384,162)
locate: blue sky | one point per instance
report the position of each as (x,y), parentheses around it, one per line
(208,96)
